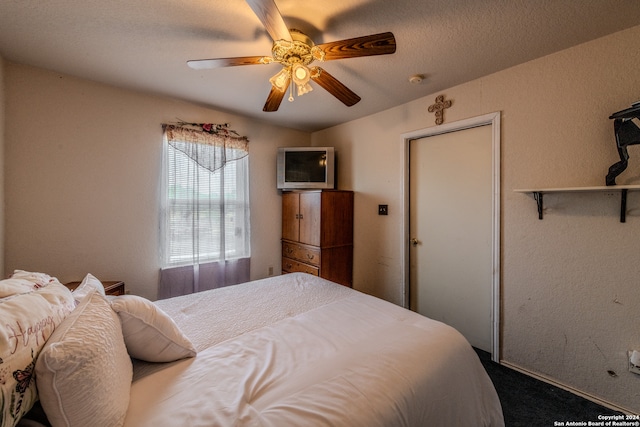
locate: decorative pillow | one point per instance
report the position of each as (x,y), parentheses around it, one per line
(89,283)
(84,372)
(13,286)
(149,333)
(40,280)
(22,281)
(27,320)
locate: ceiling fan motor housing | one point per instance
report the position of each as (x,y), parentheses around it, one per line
(299,51)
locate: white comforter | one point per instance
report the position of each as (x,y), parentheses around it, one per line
(301,351)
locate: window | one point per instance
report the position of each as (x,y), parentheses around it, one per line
(206,207)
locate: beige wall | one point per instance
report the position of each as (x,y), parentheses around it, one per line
(83,170)
(2,128)
(570,283)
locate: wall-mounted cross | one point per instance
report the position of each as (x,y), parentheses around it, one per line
(439,108)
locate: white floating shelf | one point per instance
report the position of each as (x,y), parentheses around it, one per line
(623,189)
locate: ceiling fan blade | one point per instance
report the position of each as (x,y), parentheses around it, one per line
(274,99)
(334,87)
(375,44)
(268,13)
(204,64)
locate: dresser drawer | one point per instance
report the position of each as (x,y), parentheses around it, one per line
(292,266)
(305,254)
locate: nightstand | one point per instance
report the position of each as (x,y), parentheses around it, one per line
(114,287)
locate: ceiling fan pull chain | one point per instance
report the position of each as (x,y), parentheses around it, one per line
(291,90)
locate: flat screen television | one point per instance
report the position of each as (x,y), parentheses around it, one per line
(306,168)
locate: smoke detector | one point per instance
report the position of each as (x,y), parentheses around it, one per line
(416,79)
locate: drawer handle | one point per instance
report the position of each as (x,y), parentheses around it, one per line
(288,250)
(311,256)
(289,266)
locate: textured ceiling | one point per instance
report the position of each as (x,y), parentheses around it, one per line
(144,45)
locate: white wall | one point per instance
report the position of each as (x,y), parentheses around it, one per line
(82,178)
(570,283)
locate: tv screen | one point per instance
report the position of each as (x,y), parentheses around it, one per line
(305,168)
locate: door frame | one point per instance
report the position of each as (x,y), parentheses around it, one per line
(492,119)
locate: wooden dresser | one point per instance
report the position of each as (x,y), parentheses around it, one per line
(317,234)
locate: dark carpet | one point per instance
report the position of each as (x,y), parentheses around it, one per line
(528,402)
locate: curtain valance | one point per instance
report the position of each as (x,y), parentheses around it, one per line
(209,145)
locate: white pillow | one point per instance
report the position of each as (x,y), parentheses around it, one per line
(27,320)
(149,333)
(84,372)
(89,283)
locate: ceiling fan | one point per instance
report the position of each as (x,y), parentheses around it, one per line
(296,51)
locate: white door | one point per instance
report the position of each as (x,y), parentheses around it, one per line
(450,225)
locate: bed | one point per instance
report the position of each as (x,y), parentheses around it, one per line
(293,350)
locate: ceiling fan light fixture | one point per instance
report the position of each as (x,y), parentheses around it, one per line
(281,80)
(300,74)
(302,89)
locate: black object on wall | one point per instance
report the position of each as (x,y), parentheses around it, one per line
(626,125)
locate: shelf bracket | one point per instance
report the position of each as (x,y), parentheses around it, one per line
(623,205)
(537,195)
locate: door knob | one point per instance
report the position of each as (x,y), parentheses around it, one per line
(414,242)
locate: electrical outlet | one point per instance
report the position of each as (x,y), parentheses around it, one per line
(633,368)
(270,270)
(383,209)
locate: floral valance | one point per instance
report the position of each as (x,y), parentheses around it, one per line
(208,144)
